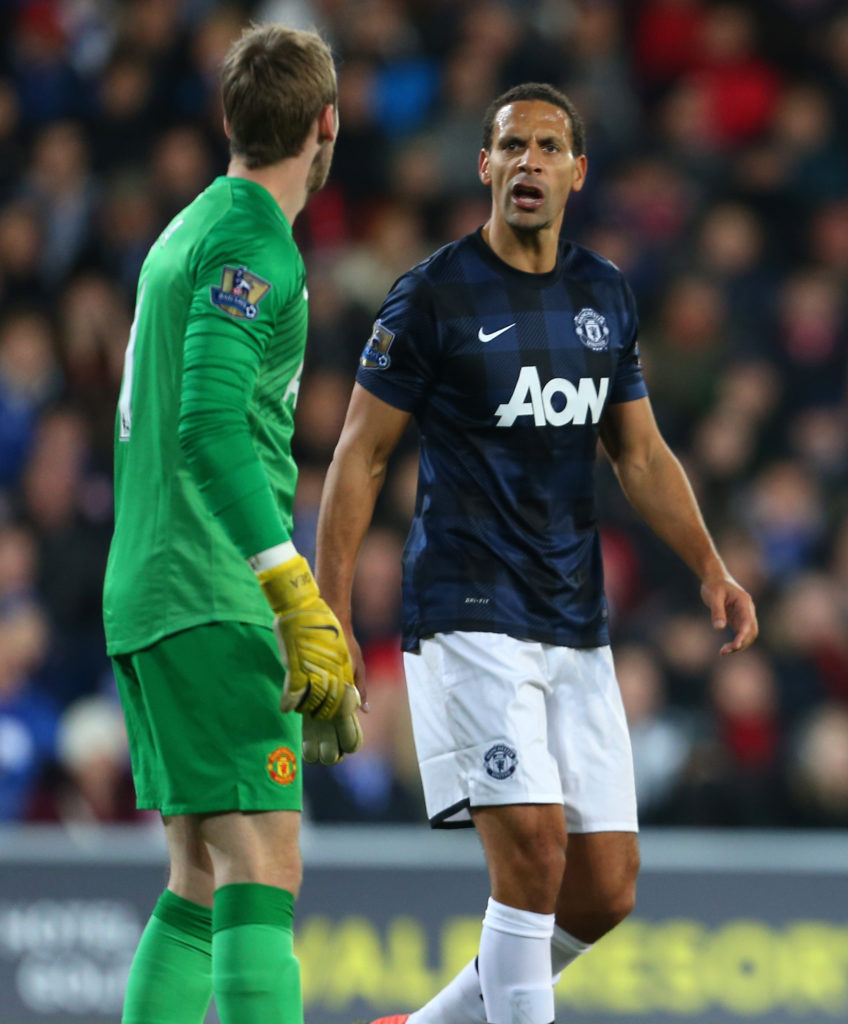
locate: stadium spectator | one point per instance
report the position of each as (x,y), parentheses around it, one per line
(27,713)
(746,708)
(90,784)
(29,379)
(661,737)
(67,504)
(60,186)
(818,768)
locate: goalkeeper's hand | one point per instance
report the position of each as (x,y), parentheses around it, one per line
(328,742)
(312,644)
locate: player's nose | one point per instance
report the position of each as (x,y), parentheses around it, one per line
(531,158)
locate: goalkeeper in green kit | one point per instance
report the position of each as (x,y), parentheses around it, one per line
(202,573)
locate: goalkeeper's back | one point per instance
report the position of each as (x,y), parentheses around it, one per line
(222,289)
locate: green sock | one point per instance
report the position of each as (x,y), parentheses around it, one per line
(170,981)
(256,976)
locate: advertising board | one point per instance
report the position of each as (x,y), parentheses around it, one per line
(729,927)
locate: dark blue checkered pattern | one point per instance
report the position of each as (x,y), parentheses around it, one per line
(504,537)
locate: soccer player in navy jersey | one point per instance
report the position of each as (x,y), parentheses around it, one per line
(515,352)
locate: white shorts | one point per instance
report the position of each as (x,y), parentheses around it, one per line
(505,721)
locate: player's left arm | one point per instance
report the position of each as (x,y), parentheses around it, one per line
(658,489)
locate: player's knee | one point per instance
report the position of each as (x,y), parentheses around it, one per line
(611,907)
(619,905)
(617,898)
(281,868)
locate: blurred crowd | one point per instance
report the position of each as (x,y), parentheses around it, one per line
(718,182)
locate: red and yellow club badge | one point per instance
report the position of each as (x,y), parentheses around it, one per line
(282,766)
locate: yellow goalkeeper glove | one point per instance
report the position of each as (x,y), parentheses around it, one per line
(328,742)
(311,641)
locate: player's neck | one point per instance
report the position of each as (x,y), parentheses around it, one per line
(286,181)
(533,252)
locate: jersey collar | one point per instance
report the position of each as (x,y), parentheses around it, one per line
(488,255)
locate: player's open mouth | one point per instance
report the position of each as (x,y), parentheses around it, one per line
(527,197)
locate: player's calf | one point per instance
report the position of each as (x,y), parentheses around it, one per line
(599,885)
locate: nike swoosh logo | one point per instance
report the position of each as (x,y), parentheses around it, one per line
(482,336)
(332,628)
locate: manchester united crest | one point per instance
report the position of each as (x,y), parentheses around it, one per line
(592,329)
(500,761)
(282,766)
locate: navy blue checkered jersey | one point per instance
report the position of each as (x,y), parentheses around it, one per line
(507,375)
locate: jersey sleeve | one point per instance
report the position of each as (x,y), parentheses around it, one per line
(238,295)
(629,384)
(399,359)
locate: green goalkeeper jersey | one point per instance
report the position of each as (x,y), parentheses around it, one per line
(204,474)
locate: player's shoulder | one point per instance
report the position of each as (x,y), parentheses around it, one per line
(246,226)
(584,263)
(585,267)
(445,262)
(442,265)
(241,209)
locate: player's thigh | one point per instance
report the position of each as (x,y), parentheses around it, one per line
(146,769)
(478,703)
(191,874)
(261,847)
(588,736)
(211,736)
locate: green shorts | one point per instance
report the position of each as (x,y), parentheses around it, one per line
(205,730)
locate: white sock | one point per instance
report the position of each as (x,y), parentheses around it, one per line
(459,1002)
(564,950)
(515,965)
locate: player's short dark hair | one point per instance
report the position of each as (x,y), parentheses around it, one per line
(274,83)
(536,91)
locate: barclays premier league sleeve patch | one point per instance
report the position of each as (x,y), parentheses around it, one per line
(375,355)
(239,293)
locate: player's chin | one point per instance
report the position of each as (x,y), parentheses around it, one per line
(320,170)
(316,181)
(528,220)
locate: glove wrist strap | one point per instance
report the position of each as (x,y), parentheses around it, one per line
(289,586)
(271,557)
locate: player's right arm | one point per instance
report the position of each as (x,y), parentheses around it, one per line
(396,373)
(370,434)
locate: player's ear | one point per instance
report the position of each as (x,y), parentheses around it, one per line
(227,130)
(579,176)
(483,167)
(328,123)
